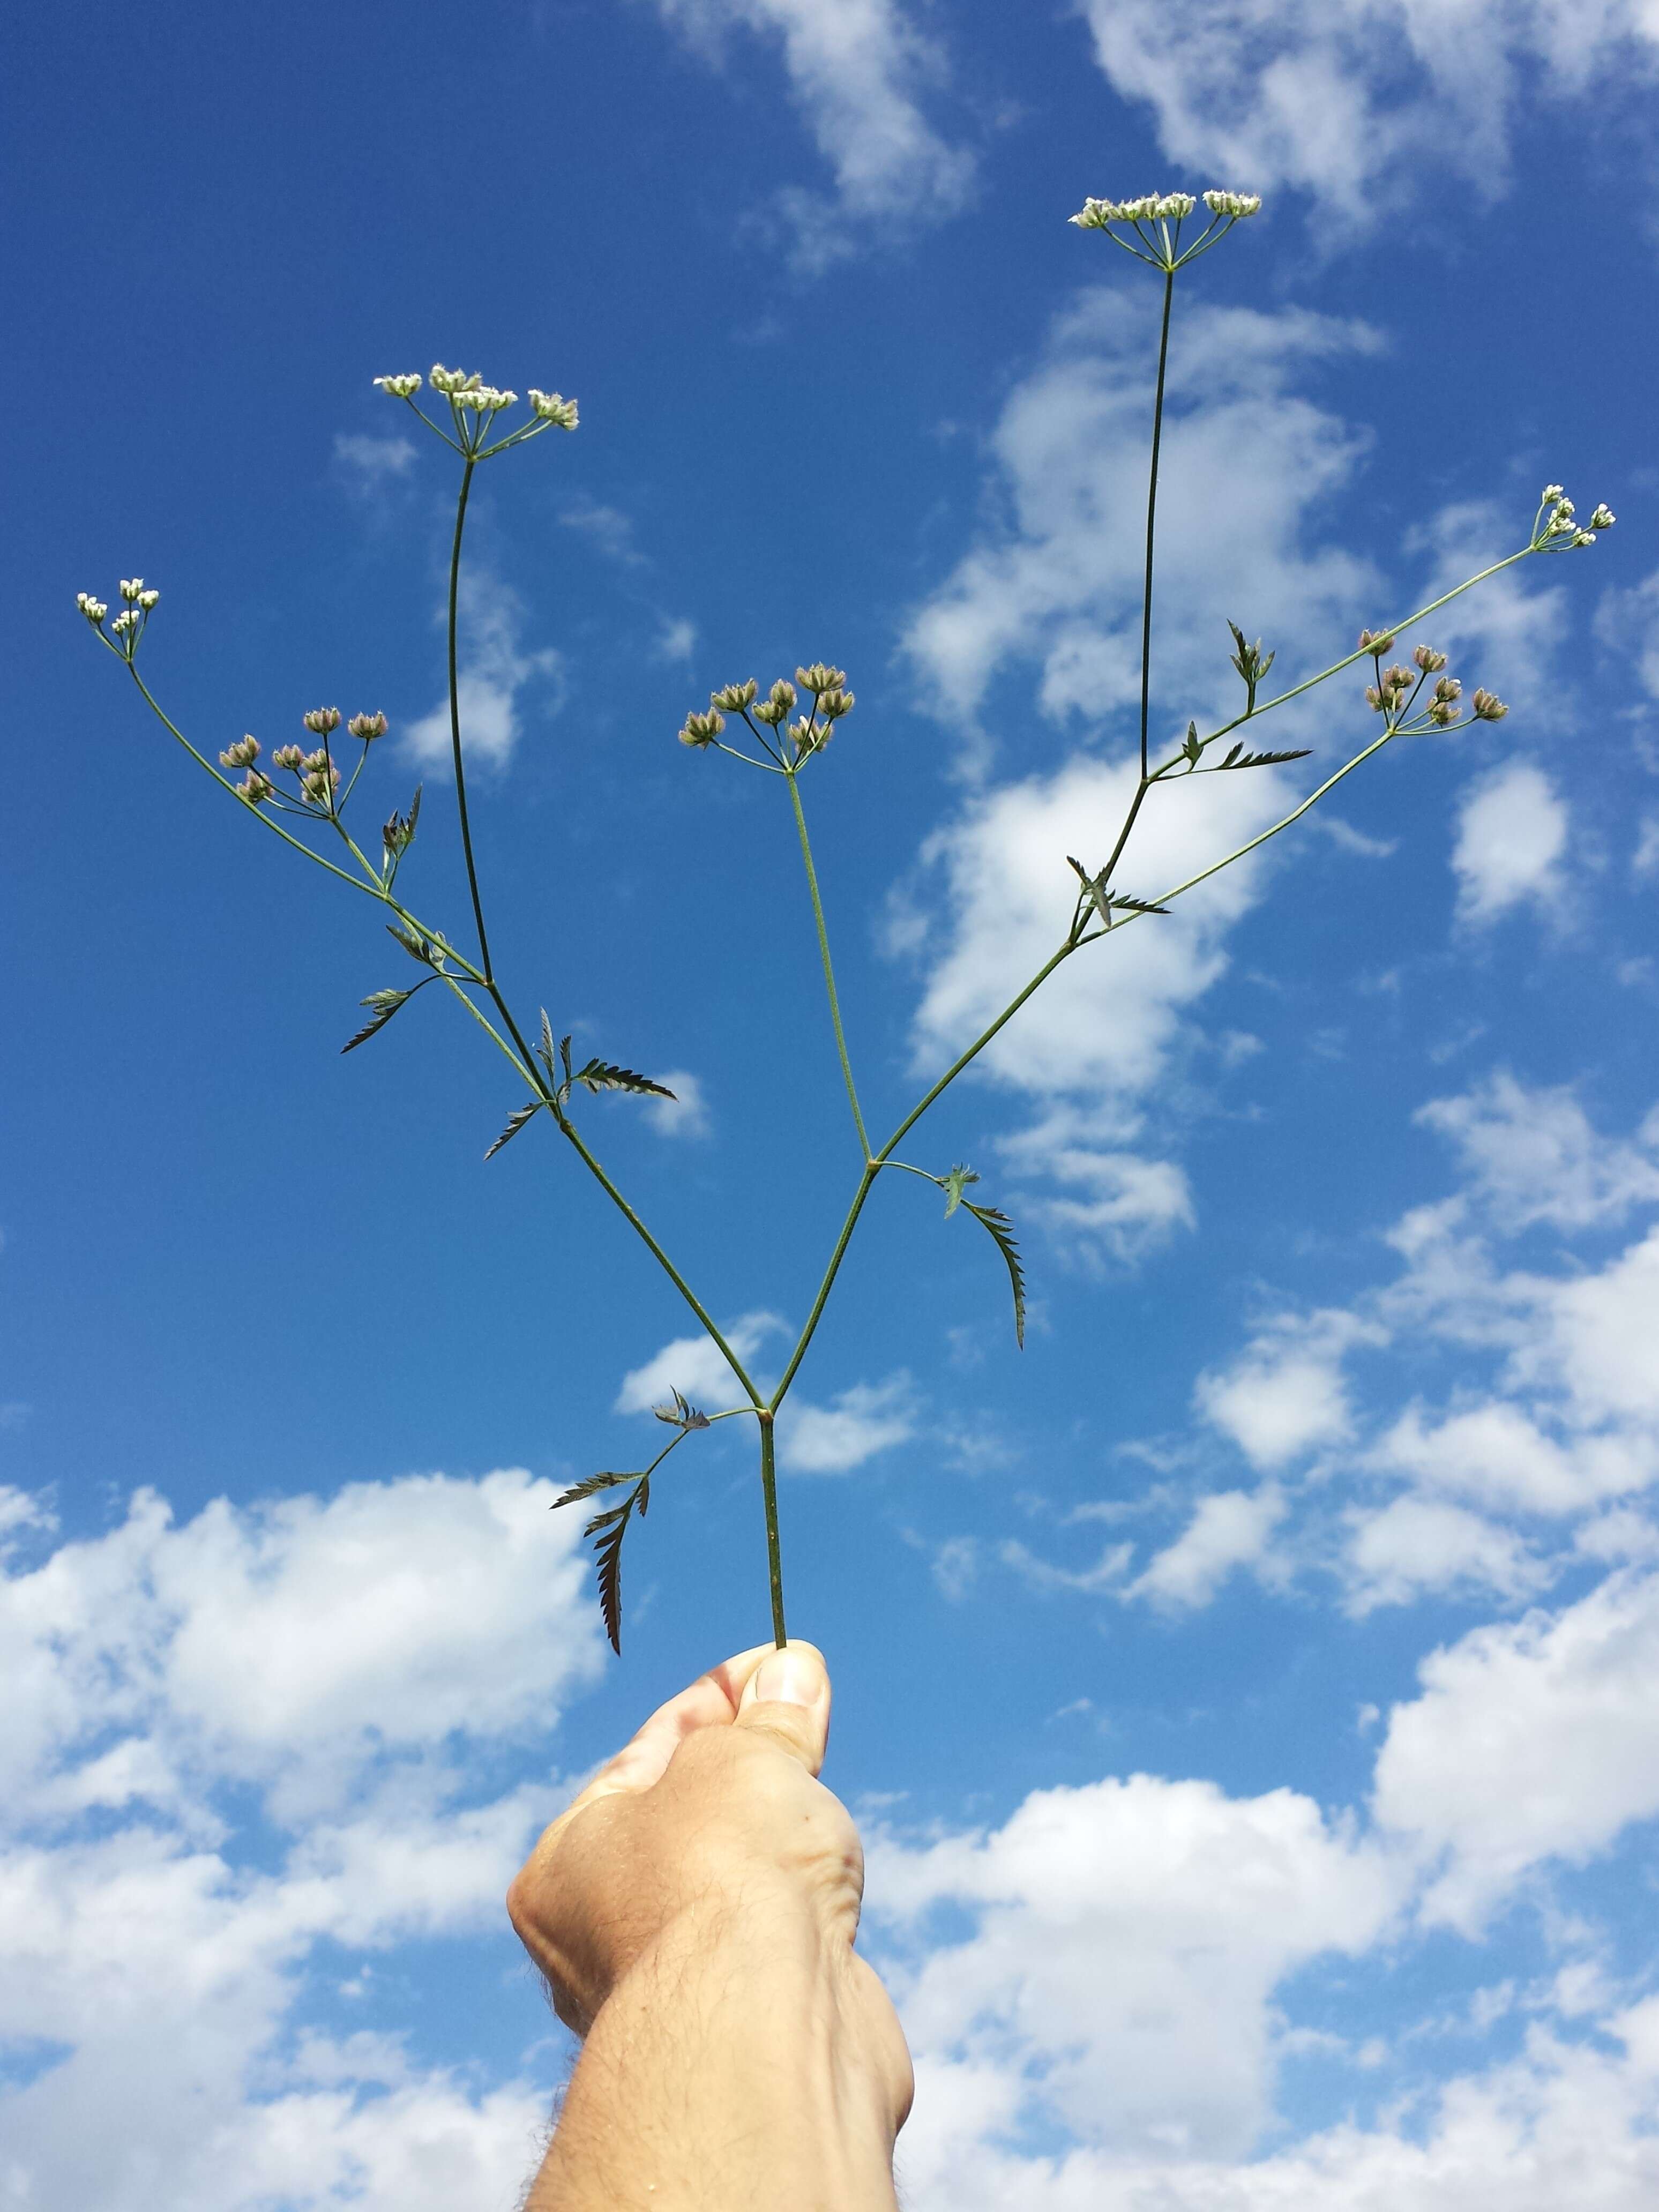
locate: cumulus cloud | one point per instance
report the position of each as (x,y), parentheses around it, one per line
(1533,1155)
(1415,1545)
(368,463)
(696,1366)
(495,672)
(1532,1740)
(1285,1395)
(836,1438)
(1511,835)
(1229,1530)
(1353,101)
(857,70)
(685,1115)
(1627,622)
(232,1741)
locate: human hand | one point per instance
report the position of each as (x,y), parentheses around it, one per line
(694,1911)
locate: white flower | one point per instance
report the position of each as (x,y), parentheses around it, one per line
(1552,493)
(1583,537)
(1096,214)
(400,387)
(147,600)
(1177,204)
(1236,204)
(1603,519)
(552,408)
(449,381)
(131,587)
(93,609)
(126,621)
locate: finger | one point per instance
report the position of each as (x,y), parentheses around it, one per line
(787,1697)
(710,1702)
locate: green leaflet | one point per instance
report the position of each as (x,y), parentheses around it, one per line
(953,1185)
(1003,1230)
(384,1005)
(515,1122)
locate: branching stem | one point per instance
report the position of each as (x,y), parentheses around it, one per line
(829,967)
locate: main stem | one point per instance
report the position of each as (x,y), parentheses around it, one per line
(1152,522)
(773,1554)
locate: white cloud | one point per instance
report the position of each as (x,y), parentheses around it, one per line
(1534,1156)
(856,70)
(696,1366)
(1245,464)
(676,639)
(1285,1395)
(1351,101)
(1418,1544)
(1534,1740)
(1230,1530)
(1130,1204)
(1128,1937)
(685,1115)
(1497,1456)
(229,1742)
(1511,834)
(368,463)
(833,1439)
(1627,622)
(1644,860)
(494,672)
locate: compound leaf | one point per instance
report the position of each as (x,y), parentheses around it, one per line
(600,1075)
(418,948)
(1003,1230)
(680,1415)
(383,1004)
(1237,757)
(1127,905)
(515,1122)
(955,1183)
(588,1487)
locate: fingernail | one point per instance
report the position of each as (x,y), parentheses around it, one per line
(789,1677)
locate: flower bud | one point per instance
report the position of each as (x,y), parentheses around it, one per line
(242,754)
(1603,519)
(1447,688)
(1442,714)
(93,609)
(553,409)
(399,387)
(287,757)
(802,732)
(1374,698)
(126,623)
(321,720)
(819,678)
(734,698)
(1096,214)
(783,697)
(255,789)
(701,730)
(1488,708)
(770,711)
(148,599)
(1428,659)
(1551,494)
(1177,204)
(835,703)
(131,587)
(315,763)
(1378,641)
(368,726)
(1396,678)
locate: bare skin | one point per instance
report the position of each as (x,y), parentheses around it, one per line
(694,1912)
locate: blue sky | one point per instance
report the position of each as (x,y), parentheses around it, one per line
(1245,1688)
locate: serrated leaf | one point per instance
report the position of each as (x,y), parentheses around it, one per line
(515,1122)
(544,1049)
(600,1075)
(609,1519)
(1095,887)
(564,1056)
(608,1552)
(1136,905)
(384,1005)
(1003,1230)
(681,1414)
(955,1183)
(1236,758)
(588,1487)
(1190,746)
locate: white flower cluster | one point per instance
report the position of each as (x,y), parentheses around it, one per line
(133,591)
(93,609)
(1153,207)
(400,387)
(1559,524)
(552,408)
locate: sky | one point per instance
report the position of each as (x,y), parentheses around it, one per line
(1244,1690)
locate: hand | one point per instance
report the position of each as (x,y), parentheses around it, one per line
(694,1912)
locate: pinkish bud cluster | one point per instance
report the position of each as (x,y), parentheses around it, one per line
(322,721)
(242,754)
(368,726)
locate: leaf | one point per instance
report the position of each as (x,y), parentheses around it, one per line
(680,1415)
(384,1005)
(1136,906)
(1190,747)
(1239,758)
(587,1488)
(600,1075)
(1003,1230)
(544,1049)
(1095,887)
(608,1552)
(954,1184)
(418,948)
(564,1056)
(515,1122)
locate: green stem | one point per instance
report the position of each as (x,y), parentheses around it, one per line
(455,721)
(829,971)
(1151,519)
(773,1551)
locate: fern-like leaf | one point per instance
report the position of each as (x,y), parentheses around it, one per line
(608,1553)
(1237,757)
(1003,1230)
(600,1075)
(1127,905)
(515,1122)
(545,1049)
(953,1186)
(589,1488)
(384,1005)
(681,1415)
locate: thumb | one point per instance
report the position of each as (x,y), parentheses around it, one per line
(787,1696)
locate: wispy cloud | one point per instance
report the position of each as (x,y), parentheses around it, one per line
(497,671)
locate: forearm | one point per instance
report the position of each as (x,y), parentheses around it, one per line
(730,2073)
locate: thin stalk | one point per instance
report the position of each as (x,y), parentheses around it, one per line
(1151,519)
(774,1552)
(829,969)
(567,1128)
(455,720)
